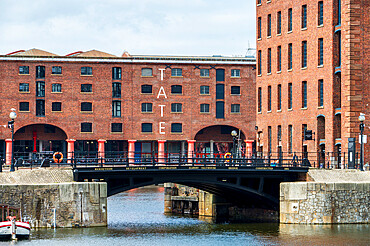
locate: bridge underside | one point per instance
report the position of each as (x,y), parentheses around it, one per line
(251,188)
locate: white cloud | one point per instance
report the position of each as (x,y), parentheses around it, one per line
(183,27)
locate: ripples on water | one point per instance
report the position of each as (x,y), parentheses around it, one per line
(136,218)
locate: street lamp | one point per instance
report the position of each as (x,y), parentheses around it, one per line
(12,117)
(234,134)
(361,118)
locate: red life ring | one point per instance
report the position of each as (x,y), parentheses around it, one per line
(227,156)
(58,160)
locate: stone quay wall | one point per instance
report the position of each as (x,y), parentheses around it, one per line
(76,204)
(325,203)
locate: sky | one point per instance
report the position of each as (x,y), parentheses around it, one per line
(140,27)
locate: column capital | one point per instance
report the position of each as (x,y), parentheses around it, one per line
(162,141)
(248,141)
(71,140)
(8,140)
(131,141)
(101,140)
(191,141)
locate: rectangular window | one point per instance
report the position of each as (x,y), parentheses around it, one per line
(220,110)
(204,72)
(56,106)
(279,97)
(56,88)
(321,93)
(86,87)
(204,108)
(40,88)
(146,72)
(304,94)
(321,52)
(290,96)
(86,107)
(176,89)
(24,87)
(204,90)
(176,72)
(146,89)
(339,12)
(116,73)
(290,140)
(304,16)
(269,138)
(269,25)
(235,108)
(176,108)
(259,1)
(259,99)
(24,106)
(220,75)
(279,58)
(40,107)
(235,73)
(176,128)
(278,24)
(146,127)
(116,127)
(320,14)
(86,127)
(86,70)
(259,27)
(278,134)
(40,72)
(24,70)
(269,60)
(146,107)
(116,90)
(259,62)
(56,70)
(269,98)
(116,109)
(290,20)
(220,91)
(290,56)
(304,54)
(235,90)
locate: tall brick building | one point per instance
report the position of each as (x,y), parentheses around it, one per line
(312,73)
(94,101)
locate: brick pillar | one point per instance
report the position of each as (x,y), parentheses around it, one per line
(70,149)
(131,151)
(191,145)
(101,150)
(8,151)
(161,158)
(248,148)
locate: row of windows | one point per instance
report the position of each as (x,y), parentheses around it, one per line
(145,127)
(320,20)
(320,54)
(117,72)
(177,108)
(116,107)
(304,99)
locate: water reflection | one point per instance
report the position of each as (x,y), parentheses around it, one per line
(136,218)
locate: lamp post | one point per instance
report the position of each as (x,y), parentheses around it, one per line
(234,134)
(12,117)
(361,118)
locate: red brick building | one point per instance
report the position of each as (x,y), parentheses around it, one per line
(94,101)
(312,73)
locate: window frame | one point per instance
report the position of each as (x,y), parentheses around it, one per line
(116,108)
(290,20)
(176,108)
(146,69)
(176,89)
(144,87)
(21,106)
(86,71)
(204,72)
(235,73)
(204,90)
(235,90)
(145,108)
(145,125)
(114,127)
(86,127)
(24,87)
(176,128)
(235,108)
(204,108)
(116,73)
(54,106)
(56,70)
(176,72)
(24,70)
(56,88)
(116,90)
(86,107)
(304,17)
(88,86)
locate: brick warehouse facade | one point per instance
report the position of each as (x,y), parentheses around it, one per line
(94,101)
(312,73)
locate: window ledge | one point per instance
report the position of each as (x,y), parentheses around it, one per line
(259,39)
(57,111)
(86,75)
(205,77)
(87,132)
(176,94)
(146,93)
(304,29)
(269,73)
(204,112)
(235,94)
(290,70)
(235,77)
(290,31)
(320,66)
(147,76)
(278,34)
(304,108)
(269,1)
(147,133)
(147,112)
(279,110)
(116,132)
(290,109)
(56,74)
(204,94)
(303,68)
(24,92)
(259,4)
(320,26)
(320,107)
(235,113)
(259,112)
(259,75)
(269,111)
(278,71)
(87,93)
(56,92)
(22,74)
(24,111)
(177,133)
(268,37)
(177,76)
(86,112)
(177,112)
